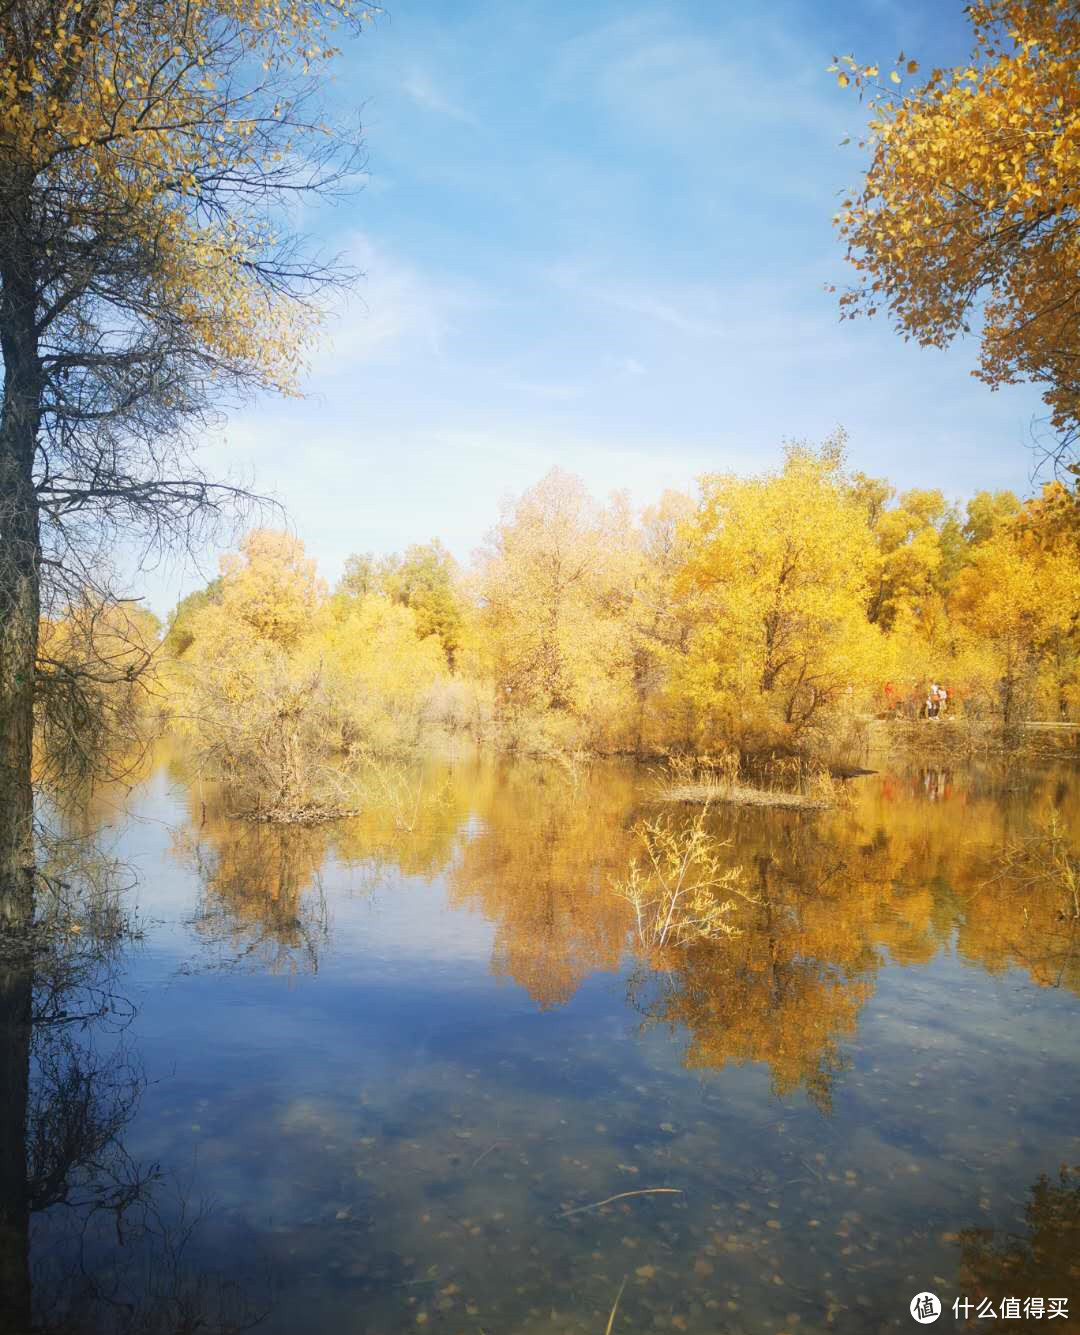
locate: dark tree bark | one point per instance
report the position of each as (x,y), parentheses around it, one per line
(14,1197)
(15,1020)
(19,611)
(20,551)
(127,322)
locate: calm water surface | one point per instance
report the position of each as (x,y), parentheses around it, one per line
(377,1069)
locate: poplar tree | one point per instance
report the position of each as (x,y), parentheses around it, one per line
(150,275)
(150,151)
(966,217)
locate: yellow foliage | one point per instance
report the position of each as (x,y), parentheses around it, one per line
(555,587)
(271,588)
(773,613)
(280,690)
(680,890)
(1014,604)
(150,112)
(379,672)
(96,674)
(970,197)
(780,564)
(909,558)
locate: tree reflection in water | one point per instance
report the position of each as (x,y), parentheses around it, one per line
(540,867)
(786,989)
(1041,1262)
(261,902)
(907,872)
(837,898)
(912,867)
(90,1238)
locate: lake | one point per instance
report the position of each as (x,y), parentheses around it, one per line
(378,1076)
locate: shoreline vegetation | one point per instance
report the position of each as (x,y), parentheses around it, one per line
(788,623)
(786,782)
(743,795)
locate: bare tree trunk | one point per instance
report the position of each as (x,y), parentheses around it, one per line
(20,560)
(19,611)
(20,549)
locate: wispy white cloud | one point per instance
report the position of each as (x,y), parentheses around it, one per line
(682,86)
(619,272)
(397,310)
(686,313)
(745,313)
(554,391)
(419,86)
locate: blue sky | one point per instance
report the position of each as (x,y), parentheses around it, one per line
(598,236)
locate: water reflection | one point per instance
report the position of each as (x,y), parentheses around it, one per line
(1041,1260)
(93,1238)
(540,867)
(879,1058)
(834,898)
(911,868)
(261,903)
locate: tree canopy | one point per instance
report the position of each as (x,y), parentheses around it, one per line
(966,218)
(768,613)
(151,155)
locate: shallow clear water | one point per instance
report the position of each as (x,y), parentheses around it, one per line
(382,1067)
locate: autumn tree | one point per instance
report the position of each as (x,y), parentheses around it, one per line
(907,536)
(1052,522)
(661,618)
(97,681)
(966,216)
(426,579)
(555,585)
(360,576)
(237,685)
(1055,514)
(1013,603)
(270,587)
(148,276)
(379,665)
(780,563)
(282,686)
(962,530)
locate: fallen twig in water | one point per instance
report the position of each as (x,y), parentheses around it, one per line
(615,1306)
(484,1155)
(621,1196)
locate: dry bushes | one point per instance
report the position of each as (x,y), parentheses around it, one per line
(789,782)
(680,890)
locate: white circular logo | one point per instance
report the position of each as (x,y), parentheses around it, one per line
(925,1308)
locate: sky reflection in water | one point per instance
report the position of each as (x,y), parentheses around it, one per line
(388,1055)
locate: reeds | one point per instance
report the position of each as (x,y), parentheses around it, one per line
(791,782)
